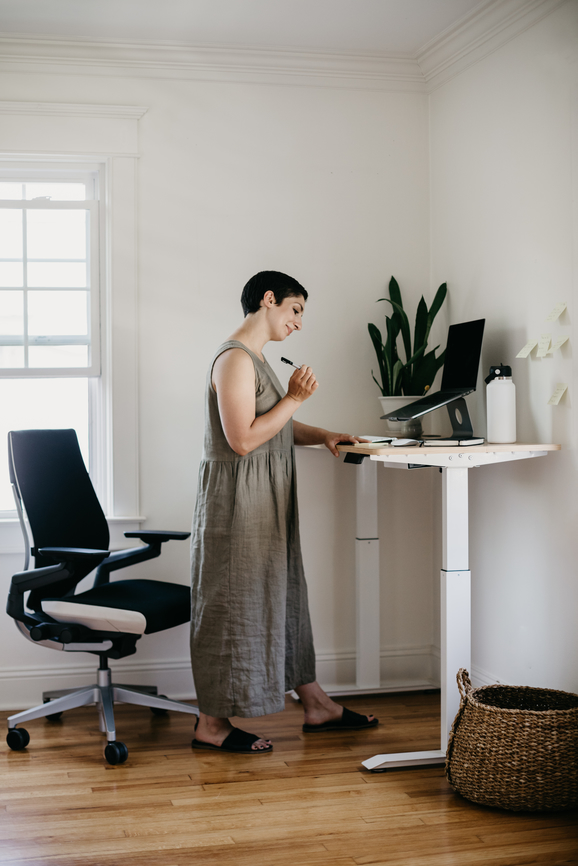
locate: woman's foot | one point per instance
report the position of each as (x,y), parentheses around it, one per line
(318,706)
(214,730)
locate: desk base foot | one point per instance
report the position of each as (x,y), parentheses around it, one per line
(344,689)
(381,763)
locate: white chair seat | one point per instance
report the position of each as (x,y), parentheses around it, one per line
(98,618)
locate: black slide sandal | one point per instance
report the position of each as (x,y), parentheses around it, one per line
(236,741)
(349,721)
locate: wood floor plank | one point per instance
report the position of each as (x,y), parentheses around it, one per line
(308,803)
(554,855)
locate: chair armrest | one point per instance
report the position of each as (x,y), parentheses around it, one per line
(36,578)
(133,555)
(74,554)
(153,536)
(66,559)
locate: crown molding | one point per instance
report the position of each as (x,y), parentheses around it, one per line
(70,109)
(469,40)
(477,35)
(212,63)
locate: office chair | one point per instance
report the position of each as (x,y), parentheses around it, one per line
(71,538)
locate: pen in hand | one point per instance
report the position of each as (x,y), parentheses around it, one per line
(291,364)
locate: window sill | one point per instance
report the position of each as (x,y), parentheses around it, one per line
(11,541)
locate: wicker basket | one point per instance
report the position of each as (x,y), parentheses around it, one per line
(514,747)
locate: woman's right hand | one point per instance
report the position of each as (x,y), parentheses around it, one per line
(302,384)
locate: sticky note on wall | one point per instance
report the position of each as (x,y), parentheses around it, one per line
(543,345)
(556,312)
(558,394)
(557,344)
(525,350)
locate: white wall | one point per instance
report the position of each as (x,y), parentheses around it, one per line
(330,185)
(333,185)
(504,236)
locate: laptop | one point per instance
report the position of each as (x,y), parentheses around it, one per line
(460,375)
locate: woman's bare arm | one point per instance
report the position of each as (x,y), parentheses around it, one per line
(234,382)
(303,434)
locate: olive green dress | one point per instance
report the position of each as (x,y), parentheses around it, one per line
(251,637)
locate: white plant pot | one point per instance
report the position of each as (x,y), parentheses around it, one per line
(411,429)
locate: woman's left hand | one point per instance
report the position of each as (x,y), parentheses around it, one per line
(332,439)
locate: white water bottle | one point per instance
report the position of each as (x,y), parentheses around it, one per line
(501,405)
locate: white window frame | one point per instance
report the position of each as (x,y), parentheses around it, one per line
(90,176)
(67,136)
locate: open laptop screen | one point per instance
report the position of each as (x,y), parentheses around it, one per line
(462,359)
(461,363)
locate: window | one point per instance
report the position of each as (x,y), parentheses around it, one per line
(49,304)
(49,299)
(95,145)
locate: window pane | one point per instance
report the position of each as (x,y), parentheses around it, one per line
(54,234)
(11,313)
(57,313)
(10,234)
(11,275)
(57,191)
(29,404)
(11,356)
(10,191)
(58,356)
(57,275)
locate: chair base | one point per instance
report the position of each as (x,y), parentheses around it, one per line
(104,693)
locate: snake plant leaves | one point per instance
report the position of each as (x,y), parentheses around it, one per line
(421,331)
(417,373)
(395,292)
(396,380)
(403,325)
(375,335)
(425,371)
(438,301)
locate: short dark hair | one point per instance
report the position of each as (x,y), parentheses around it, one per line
(280,284)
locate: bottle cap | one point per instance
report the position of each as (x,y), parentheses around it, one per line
(501,372)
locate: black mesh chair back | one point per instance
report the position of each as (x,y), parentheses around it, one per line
(62,508)
(56,490)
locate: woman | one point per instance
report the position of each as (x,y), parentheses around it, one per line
(251,638)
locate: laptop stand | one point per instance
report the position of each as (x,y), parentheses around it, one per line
(460,419)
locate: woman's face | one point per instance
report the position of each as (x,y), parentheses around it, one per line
(287,317)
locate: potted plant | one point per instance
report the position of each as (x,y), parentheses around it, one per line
(405,381)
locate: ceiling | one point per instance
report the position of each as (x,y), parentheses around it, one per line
(395,28)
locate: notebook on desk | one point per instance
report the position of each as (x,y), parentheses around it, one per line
(445,442)
(386,442)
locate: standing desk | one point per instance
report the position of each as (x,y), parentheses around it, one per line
(455,577)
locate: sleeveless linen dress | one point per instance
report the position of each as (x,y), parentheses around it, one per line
(251,638)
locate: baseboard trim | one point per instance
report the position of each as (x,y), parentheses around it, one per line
(482,677)
(22,687)
(406,668)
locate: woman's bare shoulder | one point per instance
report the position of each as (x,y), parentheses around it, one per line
(233,357)
(233,363)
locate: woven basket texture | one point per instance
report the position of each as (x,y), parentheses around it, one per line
(514,747)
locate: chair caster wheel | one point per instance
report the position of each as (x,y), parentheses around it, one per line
(17,739)
(158,711)
(116,752)
(53,717)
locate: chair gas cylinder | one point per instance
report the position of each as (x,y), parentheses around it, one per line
(501,405)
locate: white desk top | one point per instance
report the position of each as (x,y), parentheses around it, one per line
(365,448)
(467,456)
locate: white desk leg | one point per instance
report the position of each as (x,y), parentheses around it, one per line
(367,578)
(455,618)
(455,594)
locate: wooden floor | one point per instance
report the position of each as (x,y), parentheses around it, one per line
(308,803)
